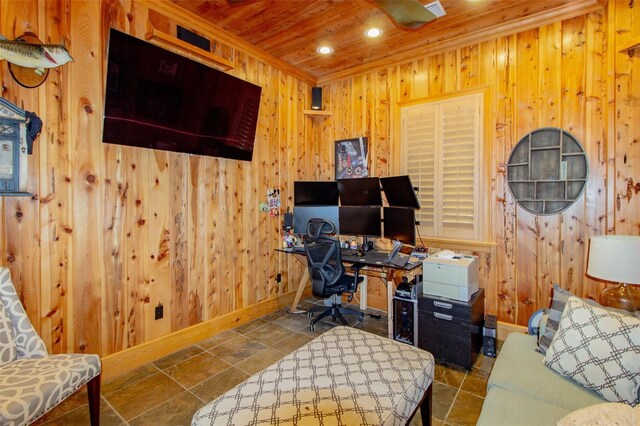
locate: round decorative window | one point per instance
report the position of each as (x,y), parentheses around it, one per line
(547,171)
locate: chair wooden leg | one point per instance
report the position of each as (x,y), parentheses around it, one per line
(425,407)
(93,390)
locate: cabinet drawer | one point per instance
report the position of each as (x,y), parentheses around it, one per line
(449,342)
(443,306)
(446,318)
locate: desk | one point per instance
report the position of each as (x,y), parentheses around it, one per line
(372,263)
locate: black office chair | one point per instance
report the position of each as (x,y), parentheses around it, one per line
(328,275)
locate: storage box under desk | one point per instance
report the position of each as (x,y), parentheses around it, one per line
(451,329)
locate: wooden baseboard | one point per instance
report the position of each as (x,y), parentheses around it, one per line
(504,329)
(121,362)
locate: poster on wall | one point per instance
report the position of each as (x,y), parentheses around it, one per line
(352,158)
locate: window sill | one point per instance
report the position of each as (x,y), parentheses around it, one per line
(452,244)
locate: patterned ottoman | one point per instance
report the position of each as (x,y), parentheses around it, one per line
(343,377)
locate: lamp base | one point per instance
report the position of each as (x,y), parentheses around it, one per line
(622,296)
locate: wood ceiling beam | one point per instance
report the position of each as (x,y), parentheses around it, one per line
(529,22)
(196,23)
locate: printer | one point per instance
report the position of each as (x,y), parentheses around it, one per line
(451,275)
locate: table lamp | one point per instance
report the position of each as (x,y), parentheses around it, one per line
(616,258)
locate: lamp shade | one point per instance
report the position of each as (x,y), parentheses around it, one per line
(615,258)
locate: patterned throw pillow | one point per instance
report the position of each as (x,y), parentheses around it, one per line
(8,351)
(599,349)
(554,313)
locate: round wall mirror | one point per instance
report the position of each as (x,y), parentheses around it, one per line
(547,171)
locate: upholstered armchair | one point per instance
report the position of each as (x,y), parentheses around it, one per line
(32,382)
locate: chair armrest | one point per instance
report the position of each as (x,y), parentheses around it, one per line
(356,274)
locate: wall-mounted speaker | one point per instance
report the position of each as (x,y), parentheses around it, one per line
(316,98)
(194,39)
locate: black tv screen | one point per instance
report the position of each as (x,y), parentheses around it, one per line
(157,99)
(303,214)
(400,224)
(399,191)
(315,193)
(360,192)
(360,221)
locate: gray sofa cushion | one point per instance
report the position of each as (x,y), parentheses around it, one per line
(505,408)
(519,368)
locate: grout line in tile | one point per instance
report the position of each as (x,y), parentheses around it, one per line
(104,400)
(459,388)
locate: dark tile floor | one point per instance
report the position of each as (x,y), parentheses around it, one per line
(169,390)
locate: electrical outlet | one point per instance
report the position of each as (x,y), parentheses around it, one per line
(159,311)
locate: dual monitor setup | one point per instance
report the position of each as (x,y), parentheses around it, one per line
(354,206)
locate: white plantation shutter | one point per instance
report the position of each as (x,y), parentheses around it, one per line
(442,141)
(420,135)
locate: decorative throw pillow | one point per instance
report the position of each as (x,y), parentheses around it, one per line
(554,313)
(610,413)
(8,351)
(599,349)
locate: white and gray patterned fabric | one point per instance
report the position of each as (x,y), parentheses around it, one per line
(8,351)
(35,382)
(28,343)
(344,377)
(599,349)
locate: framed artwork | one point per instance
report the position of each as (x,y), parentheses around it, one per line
(352,157)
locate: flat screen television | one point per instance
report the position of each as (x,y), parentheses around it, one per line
(399,224)
(361,221)
(303,214)
(315,193)
(399,191)
(360,192)
(157,99)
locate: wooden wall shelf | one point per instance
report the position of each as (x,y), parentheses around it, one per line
(185,49)
(547,171)
(632,48)
(317,112)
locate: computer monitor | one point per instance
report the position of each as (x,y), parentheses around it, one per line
(360,221)
(399,192)
(302,215)
(360,192)
(400,224)
(315,193)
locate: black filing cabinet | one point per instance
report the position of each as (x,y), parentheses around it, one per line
(451,329)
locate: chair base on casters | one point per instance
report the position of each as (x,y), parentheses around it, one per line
(336,311)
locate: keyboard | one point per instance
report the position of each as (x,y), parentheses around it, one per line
(377,257)
(348,252)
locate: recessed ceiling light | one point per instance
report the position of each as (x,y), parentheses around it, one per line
(373,32)
(324,50)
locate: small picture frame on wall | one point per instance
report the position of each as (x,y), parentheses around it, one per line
(352,157)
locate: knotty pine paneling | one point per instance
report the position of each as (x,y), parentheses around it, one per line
(563,75)
(113,231)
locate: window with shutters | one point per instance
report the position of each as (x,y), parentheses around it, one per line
(442,142)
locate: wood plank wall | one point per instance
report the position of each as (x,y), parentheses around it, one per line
(566,74)
(110,231)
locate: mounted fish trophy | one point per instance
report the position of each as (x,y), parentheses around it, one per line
(30,60)
(13,149)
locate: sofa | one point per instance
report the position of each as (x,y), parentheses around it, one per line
(523,391)
(527,388)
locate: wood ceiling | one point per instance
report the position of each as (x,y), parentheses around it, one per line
(292,29)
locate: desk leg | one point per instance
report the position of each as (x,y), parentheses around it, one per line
(363,294)
(390,291)
(301,285)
